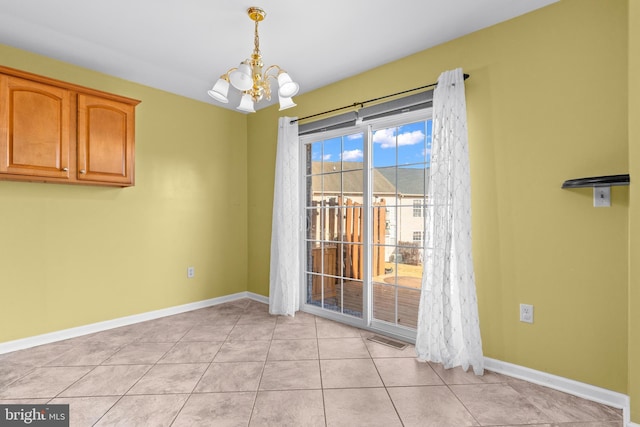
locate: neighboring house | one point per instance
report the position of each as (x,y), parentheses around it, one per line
(400,190)
(411,185)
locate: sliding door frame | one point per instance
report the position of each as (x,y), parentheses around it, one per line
(367,129)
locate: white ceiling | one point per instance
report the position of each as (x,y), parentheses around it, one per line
(184,46)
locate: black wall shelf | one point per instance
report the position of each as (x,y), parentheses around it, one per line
(597,181)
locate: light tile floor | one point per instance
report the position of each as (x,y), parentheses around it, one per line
(235,365)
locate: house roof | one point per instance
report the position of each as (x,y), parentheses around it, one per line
(409,181)
(346,177)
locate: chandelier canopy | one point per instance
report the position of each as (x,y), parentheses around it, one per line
(249,78)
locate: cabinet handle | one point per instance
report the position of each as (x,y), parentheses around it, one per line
(82,171)
(65,169)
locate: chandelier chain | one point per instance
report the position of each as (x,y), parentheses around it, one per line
(256,41)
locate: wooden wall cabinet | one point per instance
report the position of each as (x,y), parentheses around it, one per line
(53,131)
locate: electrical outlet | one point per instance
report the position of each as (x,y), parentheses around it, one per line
(191,272)
(526,313)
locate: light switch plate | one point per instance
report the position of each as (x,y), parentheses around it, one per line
(601,197)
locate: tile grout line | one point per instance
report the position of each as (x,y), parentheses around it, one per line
(324,405)
(175,417)
(138,380)
(151,367)
(456,396)
(119,397)
(386,389)
(94,368)
(255,397)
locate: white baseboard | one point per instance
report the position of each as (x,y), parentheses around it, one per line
(586,391)
(257,297)
(65,334)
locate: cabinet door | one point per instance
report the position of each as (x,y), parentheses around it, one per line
(35,128)
(106,138)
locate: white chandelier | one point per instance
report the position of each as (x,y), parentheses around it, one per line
(251,81)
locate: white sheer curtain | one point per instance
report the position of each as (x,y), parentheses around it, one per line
(448,326)
(284,275)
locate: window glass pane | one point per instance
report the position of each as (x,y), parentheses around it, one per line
(384,147)
(352,261)
(351,224)
(384,183)
(334,221)
(331,185)
(429,129)
(389,253)
(313,223)
(332,298)
(353,151)
(316,157)
(332,149)
(410,184)
(408,300)
(314,288)
(316,257)
(330,271)
(409,257)
(351,293)
(314,190)
(411,141)
(384,302)
(390,225)
(407,224)
(353,185)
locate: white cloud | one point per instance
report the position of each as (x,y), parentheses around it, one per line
(387,139)
(317,156)
(351,155)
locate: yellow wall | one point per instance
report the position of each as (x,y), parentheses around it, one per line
(546,101)
(634,210)
(74,255)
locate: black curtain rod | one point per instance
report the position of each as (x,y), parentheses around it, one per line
(361,104)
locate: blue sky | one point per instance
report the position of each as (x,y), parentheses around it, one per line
(411,144)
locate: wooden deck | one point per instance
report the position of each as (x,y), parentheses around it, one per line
(384,297)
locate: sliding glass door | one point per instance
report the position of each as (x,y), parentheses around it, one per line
(365,193)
